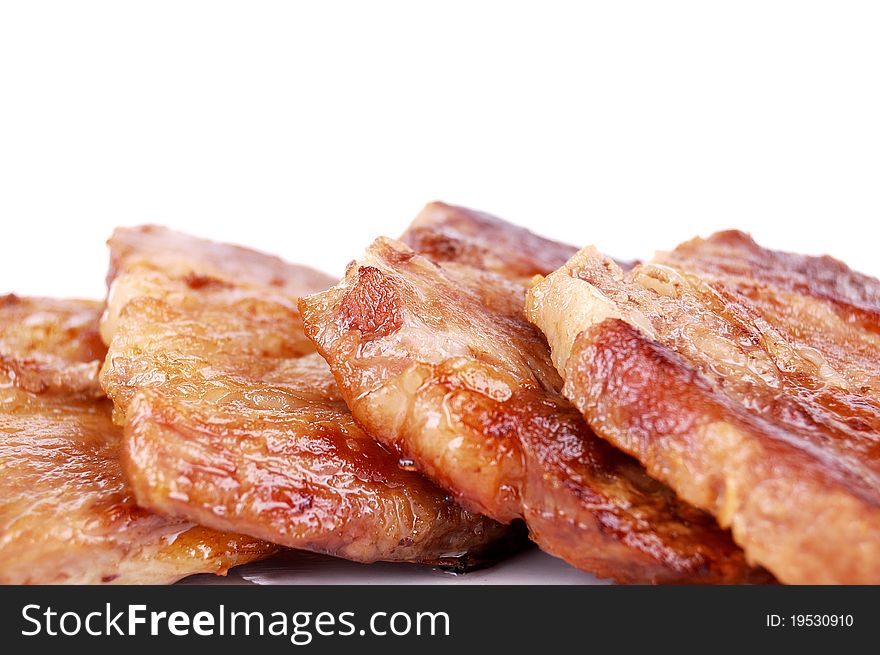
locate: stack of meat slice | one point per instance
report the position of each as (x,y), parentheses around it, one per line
(747,380)
(226,423)
(231,420)
(67,514)
(711,416)
(435,358)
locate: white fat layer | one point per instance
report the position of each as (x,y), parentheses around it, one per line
(563,307)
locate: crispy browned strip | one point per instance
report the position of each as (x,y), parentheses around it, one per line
(744,378)
(440,363)
(227,424)
(66,512)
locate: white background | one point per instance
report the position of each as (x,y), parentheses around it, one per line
(309,128)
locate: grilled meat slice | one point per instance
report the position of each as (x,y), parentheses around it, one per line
(744,378)
(447,233)
(440,364)
(451,234)
(228,423)
(67,514)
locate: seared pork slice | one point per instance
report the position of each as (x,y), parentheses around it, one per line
(67,514)
(227,422)
(447,233)
(439,362)
(744,378)
(458,235)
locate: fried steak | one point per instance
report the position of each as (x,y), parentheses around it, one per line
(747,380)
(230,422)
(67,514)
(438,361)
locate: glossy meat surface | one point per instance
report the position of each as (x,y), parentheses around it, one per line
(228,421)
(440,363)
(744,378)
(66,512)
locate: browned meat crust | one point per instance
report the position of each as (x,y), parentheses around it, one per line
(66,512)
(440,364)
(747,380)
(227,424)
